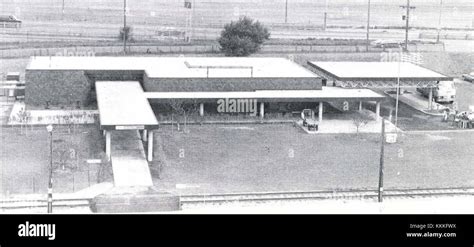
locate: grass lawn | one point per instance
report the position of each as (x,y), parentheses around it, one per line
(282,158)
(25,159)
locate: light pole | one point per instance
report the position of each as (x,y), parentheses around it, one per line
(125,35)
(381,162)
(398,87)
(286,11)
(368,27)
(439,19)
(325,14)
(50,184)
(192,21)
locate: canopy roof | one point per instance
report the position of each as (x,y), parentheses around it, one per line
(122,105)
(377,71)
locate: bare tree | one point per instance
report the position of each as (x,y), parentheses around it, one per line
(184,111)
(23,118)
(177,107)
(360,119)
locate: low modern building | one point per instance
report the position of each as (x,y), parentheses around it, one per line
(124,87)
(71,80)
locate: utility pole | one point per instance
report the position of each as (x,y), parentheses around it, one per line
(192,21)
(286,11)
(325,15)
(49,128)
(407,22)
(368,27)
(398,86)
(381,161)
(62,17)
(124,34)
(439,19)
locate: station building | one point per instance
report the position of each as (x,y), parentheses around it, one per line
(71,81)
(124,87)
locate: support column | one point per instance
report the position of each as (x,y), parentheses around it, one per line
(108,142)
(360,105)
(377,110)
(430,99)
(144,135)
(150,146)
(262,110)
(201,109)
(320,112)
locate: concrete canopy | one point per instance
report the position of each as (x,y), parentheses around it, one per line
(326,94)
(377,71)
(123,105)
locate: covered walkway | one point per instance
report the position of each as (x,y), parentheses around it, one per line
(326,94)
(127,119)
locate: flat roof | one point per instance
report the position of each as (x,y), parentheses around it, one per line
(123,103)
(180,67)
(326,93)
(377,70)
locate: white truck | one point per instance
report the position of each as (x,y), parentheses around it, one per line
(444,92)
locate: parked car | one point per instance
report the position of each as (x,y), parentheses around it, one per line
(468,77)
(386,43)
(9,21)
(445,92)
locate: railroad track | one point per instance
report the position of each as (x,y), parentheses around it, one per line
(319,195)
(255,197)
(39,203)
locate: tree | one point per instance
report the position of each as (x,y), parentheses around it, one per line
(184,110)
(360,119)
(125,32)
(243,37)
(24,117)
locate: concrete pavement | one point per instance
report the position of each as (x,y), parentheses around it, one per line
(129,163)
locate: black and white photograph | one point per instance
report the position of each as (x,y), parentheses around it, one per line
(112,108)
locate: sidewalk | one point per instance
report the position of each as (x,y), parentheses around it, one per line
(129,163)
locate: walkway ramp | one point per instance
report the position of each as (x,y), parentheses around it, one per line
(124,110)
(129,164)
